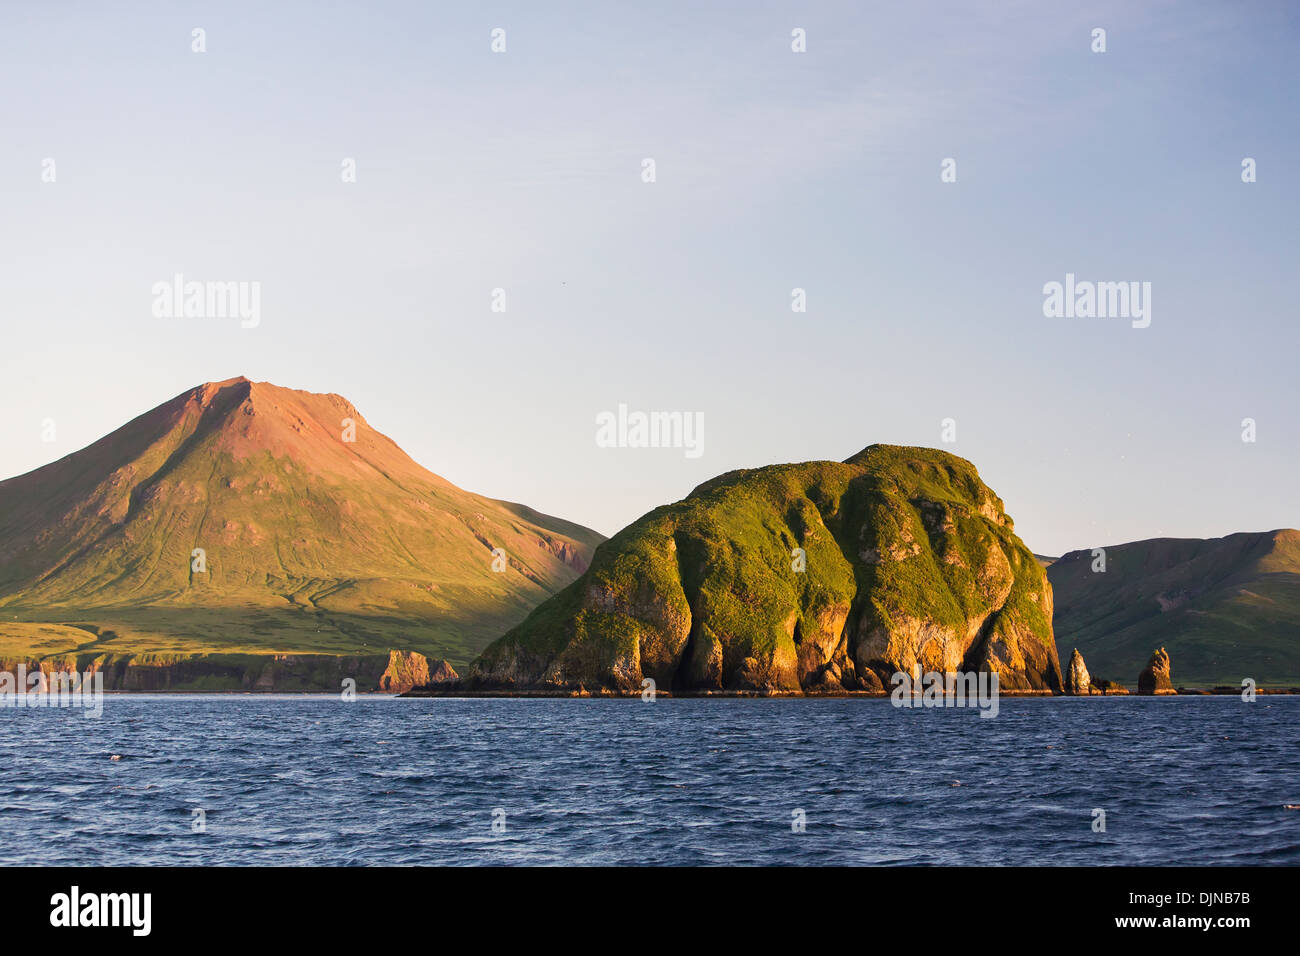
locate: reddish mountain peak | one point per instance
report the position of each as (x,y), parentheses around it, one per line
(209,393)
(264,398)
(226,383)
(301,509)
(268,398)
(321,432)
(318,433)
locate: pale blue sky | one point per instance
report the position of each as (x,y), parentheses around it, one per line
(775,170)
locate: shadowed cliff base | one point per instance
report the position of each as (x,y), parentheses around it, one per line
(391,672)
(462,688)
(1076,683)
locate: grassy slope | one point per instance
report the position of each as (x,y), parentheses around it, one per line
(313,545)
(1231,608)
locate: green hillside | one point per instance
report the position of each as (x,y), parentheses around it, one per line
(315,538)
(1225,608)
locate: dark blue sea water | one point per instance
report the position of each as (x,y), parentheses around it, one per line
(315,780)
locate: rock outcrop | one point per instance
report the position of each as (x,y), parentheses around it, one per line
(442,672)
(407,669)
(824,577)
(1108,687)
(1077,681)
(442,681)
(394,672)
(1155,678)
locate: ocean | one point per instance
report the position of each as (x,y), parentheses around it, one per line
(314,780)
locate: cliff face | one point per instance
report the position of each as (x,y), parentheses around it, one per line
(395,672)
(407,669)
(819,577)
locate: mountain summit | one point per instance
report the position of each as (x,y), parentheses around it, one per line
(242,516)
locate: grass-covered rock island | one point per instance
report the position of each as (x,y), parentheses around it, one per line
(822,577)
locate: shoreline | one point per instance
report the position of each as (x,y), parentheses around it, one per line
(608,694)
(462,694)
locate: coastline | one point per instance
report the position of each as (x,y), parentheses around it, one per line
(607,693)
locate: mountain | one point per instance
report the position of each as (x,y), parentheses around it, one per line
(1225,608)
(318,535)
(908,558)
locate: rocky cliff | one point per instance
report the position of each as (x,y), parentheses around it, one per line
(394,672)
(1155,677)
(823,577)
(1078,681)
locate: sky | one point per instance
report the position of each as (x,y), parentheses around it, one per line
(774,170)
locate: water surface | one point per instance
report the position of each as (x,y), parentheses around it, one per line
(314,780)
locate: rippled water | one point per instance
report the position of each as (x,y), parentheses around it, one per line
(314,780)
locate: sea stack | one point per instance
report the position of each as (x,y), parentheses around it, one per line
(442,671)
(1077,681)
(1154,678)
(407,669)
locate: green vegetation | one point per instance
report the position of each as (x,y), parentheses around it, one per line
(909,557)
(1225,608)
(310,544)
